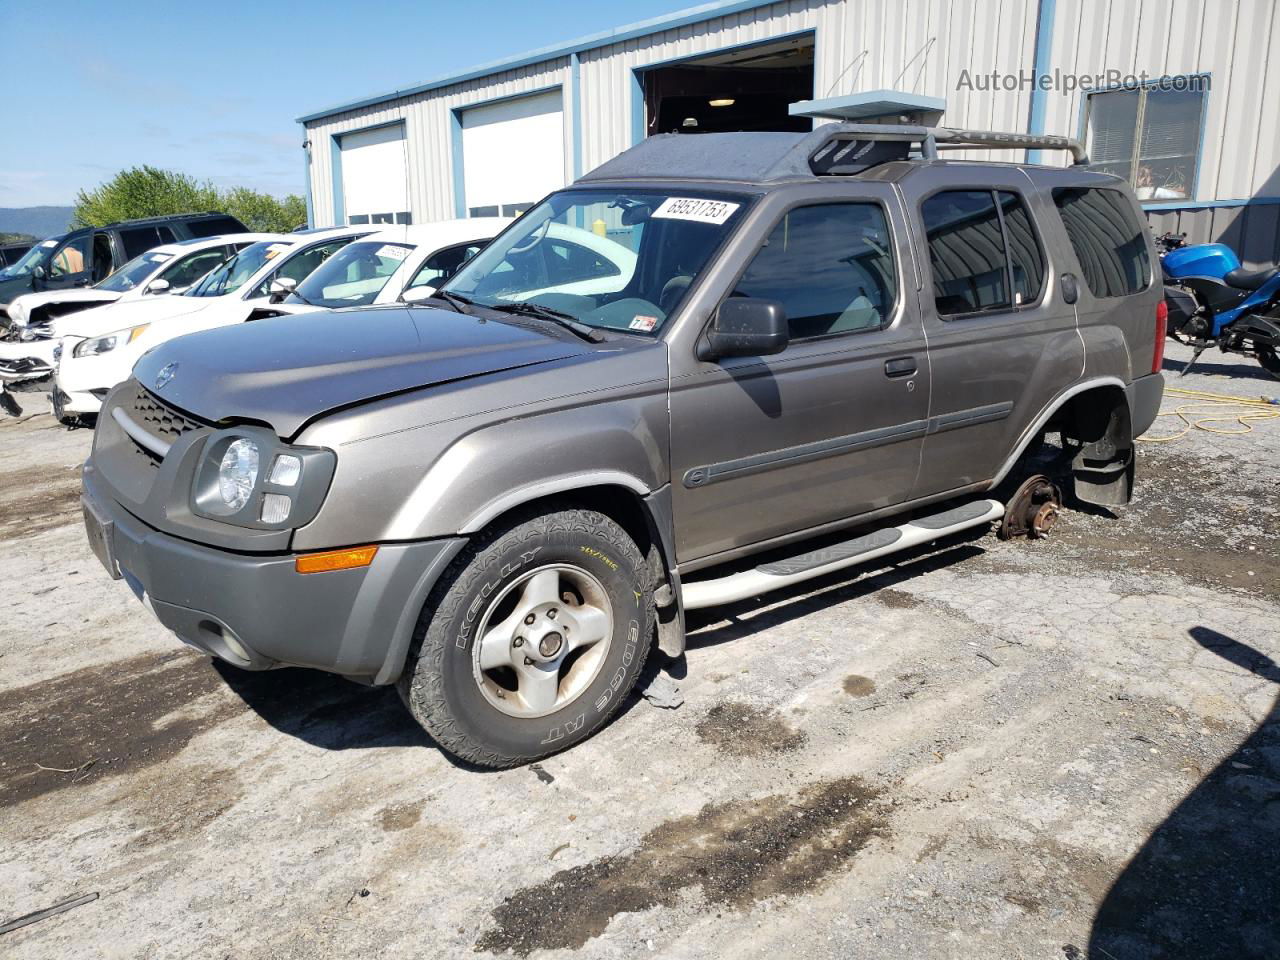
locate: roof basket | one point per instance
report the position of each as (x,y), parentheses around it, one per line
(842,149)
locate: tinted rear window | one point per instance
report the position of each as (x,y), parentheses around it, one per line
(1109,242)
(215,226)
(138,240)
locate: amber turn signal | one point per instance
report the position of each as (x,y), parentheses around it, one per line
(347,559)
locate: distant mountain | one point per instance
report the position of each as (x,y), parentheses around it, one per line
(38,221)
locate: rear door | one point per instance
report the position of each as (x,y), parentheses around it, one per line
(1002,340)
(763,447)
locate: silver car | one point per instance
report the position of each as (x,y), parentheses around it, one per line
(715,366)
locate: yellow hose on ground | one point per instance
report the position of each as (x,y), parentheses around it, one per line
(1221,408)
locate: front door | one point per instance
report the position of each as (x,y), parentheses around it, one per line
(1002,342)
(71,264)
(762,447)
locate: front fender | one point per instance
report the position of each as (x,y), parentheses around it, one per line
(499,467)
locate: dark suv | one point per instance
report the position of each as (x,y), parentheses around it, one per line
(83,257)
(715,366)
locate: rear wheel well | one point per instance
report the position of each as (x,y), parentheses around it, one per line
(1087,417)
(1097,424)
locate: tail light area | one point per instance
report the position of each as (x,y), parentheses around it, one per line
(1162,330)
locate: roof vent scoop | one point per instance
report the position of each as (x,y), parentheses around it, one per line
(846,157)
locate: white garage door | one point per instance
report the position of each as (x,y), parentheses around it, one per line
(512,154)
(375,183)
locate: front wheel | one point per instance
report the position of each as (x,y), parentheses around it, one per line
(532,639)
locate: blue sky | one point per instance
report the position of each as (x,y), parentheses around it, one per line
(212,89)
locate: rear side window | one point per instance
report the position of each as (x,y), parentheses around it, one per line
(983,251)
(830,266)
(1107,238)
(190,269)
(214,226)
(138,240)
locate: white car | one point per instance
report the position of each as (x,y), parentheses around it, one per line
(166,269)
(397,264)
(100,346)
(36,318)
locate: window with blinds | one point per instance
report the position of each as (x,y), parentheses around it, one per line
(1150,136)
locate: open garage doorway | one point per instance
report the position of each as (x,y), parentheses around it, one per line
(745,88)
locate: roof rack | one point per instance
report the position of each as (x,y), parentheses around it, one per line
(832,149)
(844,148)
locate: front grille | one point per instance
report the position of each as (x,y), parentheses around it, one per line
(157,418)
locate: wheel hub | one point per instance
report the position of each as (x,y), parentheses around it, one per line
(542,640)
(1032,510)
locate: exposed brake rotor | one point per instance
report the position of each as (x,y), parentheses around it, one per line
(1032,510)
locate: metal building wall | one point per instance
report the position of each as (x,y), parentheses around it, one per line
(428,136)
(973,34)
(1230,41)
(978,35)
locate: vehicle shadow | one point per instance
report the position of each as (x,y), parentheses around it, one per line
(1207,881)
(1246,371)
(325,710)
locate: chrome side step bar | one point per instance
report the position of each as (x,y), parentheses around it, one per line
(815,563)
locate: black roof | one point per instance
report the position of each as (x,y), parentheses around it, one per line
(169,218)
(830,149)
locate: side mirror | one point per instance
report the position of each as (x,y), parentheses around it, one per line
(158,285)
(417,294)
(281,287)
(38,272)
(746,327)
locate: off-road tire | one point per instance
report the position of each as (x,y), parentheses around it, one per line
(438,684)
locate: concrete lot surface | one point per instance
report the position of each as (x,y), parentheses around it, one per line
(1057,749)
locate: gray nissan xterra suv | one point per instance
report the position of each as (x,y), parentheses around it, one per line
(714,366)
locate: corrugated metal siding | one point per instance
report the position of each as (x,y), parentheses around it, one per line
(428,135)
(1230,41)
(1253,232)
(977,35)
(968,34)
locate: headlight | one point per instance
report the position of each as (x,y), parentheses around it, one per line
(249,477)
(105,344)
(238,473)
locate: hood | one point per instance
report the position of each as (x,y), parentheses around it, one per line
(11,287)
(96,321)
(287,370)
(20,307)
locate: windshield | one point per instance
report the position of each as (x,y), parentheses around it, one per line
(608,259)
(353,276)
(37,256)
(134,273)
(233,274)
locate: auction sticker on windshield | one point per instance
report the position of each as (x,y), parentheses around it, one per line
(691,208)
(392,252)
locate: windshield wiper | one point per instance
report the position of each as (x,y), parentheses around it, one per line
(528,308)
(295,293)
(458,303)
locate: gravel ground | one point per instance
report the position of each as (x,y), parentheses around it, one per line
(1064,748)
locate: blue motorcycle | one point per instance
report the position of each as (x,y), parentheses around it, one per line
(1213,302)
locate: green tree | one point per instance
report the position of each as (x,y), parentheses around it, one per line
(149,192)
(261,211)
(142,192)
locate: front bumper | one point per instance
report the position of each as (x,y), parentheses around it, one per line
(256,611)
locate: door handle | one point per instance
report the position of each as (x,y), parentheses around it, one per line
(900,367)
(1070,290)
